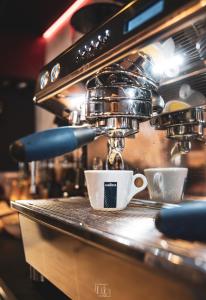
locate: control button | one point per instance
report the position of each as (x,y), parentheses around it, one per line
(100,38)
(93,44)
(81,55)
(93,48)
(107,33)
(44,79)
(97,44)
(87,49)
(55,72)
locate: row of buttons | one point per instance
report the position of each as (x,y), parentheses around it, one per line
(90,49)
(44,80)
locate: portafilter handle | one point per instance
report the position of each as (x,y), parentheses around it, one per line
(51,143)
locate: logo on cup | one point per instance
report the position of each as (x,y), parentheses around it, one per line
(110,194)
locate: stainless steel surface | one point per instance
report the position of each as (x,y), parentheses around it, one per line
(187,132)
(144,66)
(115,92)
(136,109)
(120,98)
(123,126)
(183,126)
(158,103)
(195,115)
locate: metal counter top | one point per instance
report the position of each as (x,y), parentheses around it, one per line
(130,233)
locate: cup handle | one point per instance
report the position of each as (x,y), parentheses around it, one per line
(158,183)
(134,188)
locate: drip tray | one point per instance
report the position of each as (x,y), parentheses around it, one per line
(130,232)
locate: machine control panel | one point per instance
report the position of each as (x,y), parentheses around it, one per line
(90,49)
(125,25)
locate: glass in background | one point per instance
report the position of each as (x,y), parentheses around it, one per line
(48,185)
(72,174)
(97,163)
(20,186)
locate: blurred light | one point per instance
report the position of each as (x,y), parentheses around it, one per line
(169,67)
(198,46)
(74,101)
(164,244)
(21,85)
(178,59)
(5,83)
(2,293)
(66,15)
(175,259)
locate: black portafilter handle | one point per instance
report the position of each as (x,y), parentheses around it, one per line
(186,221)
(51,143)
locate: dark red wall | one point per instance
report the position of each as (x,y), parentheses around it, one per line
(21,56)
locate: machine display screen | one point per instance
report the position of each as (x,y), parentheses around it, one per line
(145,16)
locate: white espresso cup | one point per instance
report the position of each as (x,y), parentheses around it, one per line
(112,189)
(166,184)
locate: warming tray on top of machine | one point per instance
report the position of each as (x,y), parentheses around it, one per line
(138,23)
(130,232)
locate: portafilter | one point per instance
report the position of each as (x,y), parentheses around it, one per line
(118,100)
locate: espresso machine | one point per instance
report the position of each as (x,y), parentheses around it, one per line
(141,73)
(122,68)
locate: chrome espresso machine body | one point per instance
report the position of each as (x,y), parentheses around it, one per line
(135,67)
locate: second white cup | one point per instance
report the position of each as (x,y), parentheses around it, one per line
(166,184)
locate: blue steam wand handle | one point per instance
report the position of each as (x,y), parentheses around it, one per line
(50,143)
(186,221)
